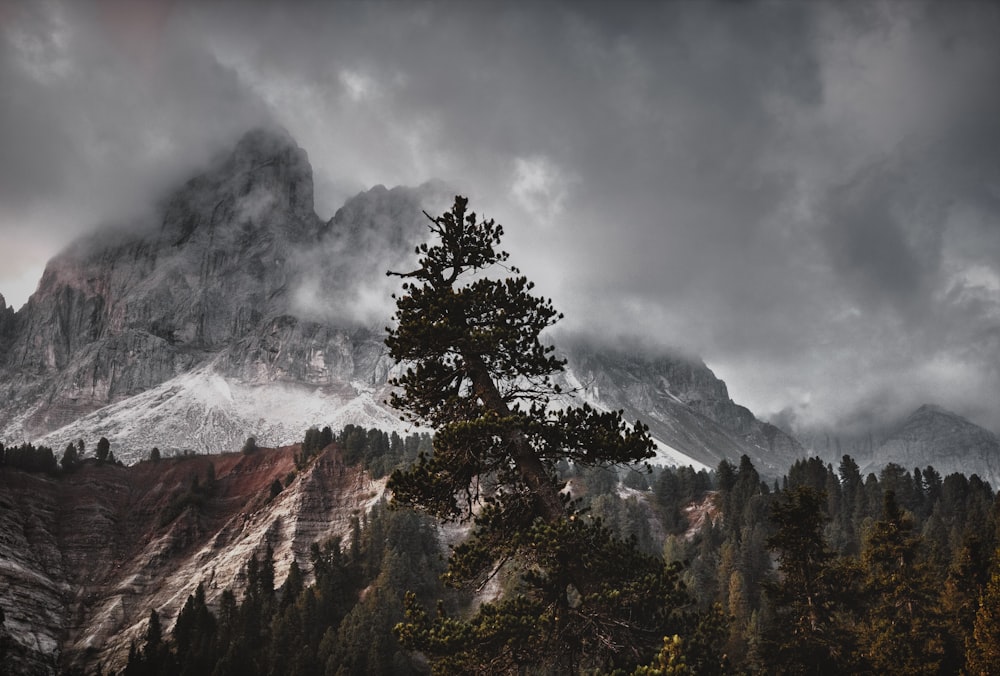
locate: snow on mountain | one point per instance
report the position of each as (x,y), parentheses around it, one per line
(207,412)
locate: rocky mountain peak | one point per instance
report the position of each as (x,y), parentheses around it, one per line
(262,188)
(928,410)
(935,436)
(680,399)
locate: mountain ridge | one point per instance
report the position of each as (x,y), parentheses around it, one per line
(932,435)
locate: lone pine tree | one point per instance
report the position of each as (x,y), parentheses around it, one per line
(478,373)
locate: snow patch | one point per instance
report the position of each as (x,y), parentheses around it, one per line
(671,457)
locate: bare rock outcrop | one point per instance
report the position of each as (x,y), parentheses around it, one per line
(86,555)
(684,404)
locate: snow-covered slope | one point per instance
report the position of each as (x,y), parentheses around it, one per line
(207,412)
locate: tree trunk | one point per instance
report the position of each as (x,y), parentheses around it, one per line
(529,465)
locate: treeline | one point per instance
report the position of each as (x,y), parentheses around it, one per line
(380,453)
(30,458)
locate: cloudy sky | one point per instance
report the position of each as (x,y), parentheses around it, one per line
(807,195)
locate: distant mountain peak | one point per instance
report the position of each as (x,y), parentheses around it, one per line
(932,435)
(268,140)
(933,409)
(265,176)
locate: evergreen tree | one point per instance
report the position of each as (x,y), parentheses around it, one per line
(103,449)
(983,648)
(807,636)
(903,630)
(194,635)
(249,446)
(480,375)
(70,458)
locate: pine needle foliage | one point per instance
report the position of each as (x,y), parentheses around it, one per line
(478,372)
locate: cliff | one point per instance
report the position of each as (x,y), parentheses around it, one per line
(686,407)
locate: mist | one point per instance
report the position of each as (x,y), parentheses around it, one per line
(803,194)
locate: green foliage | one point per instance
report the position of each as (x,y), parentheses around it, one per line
(669,661)
(903,629)
(810,599)
(480,375)
(341,624)
(378,452)
(896,605)
(569,610)
(274,489)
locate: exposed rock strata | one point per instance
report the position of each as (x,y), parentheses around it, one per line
(83,557)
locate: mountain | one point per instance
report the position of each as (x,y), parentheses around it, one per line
(86,555)
(174,319)
(687,408)
(944,440)
(236,311)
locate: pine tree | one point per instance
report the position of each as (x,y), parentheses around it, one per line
(983,650)
(103,449)
(903,630)
(479,374)
(70,458)
(807,636)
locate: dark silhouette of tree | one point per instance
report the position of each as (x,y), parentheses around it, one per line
(276,488)
(154,454)
(479,374)
(70,458)
(249,446)
(810,634)
(103,449)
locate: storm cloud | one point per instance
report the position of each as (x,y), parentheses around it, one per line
(804,194)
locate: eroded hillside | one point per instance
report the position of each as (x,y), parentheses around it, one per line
(84,556)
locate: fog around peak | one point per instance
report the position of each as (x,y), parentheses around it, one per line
(802,194)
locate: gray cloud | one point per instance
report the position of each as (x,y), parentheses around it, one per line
(806,194)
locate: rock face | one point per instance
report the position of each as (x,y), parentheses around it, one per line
(216,281)
(944,440)
(85,556)
(686,407)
